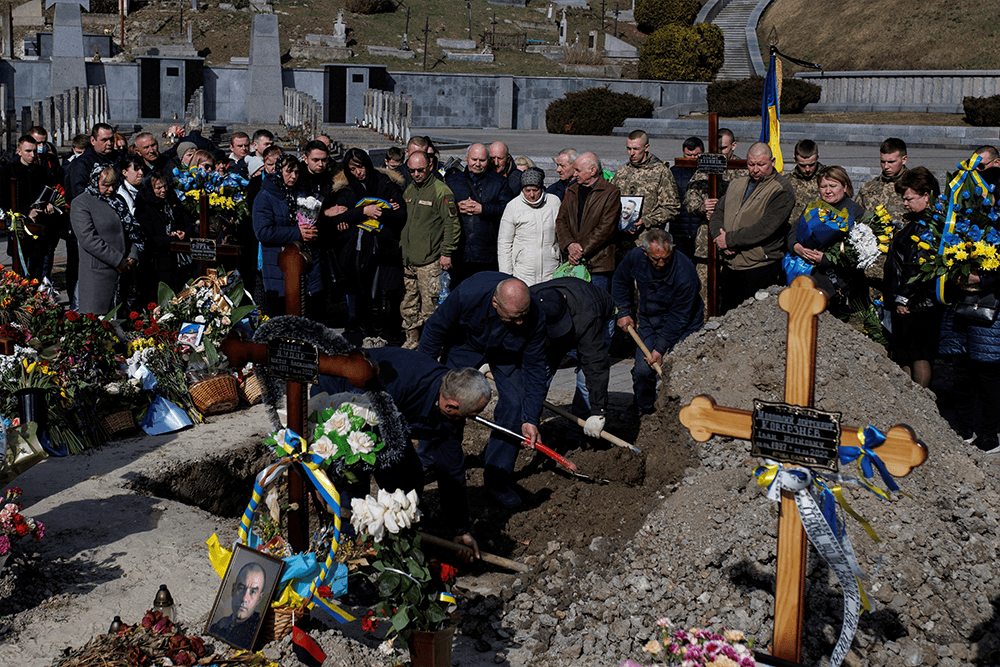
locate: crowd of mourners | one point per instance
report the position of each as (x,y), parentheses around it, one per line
(390,242)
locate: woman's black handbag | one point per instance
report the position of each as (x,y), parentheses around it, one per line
(977,308)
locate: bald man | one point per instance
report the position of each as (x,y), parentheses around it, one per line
(481,195)
(748,225)
(501,163)
(587,221)
(493,318)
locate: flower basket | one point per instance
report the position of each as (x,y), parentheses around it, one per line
(216,395)
(118,422)
(250,390)
(278,622)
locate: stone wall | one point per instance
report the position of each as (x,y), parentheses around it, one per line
(505,102)
(921,91)
(122,82)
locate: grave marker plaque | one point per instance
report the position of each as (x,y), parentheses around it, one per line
(293,360)
(713,163)
(796,435)
(203,250)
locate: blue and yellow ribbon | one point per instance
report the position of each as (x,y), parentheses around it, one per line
(869,437)
(296,451)
(966,169)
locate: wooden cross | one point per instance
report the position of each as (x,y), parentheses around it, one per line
(185,246)
(356,367)
(713,193)
(901,452)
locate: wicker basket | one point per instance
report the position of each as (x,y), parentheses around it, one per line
(216,395)
(278,622)
(118,422)
(250,390)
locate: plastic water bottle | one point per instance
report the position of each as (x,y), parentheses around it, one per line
(445,287)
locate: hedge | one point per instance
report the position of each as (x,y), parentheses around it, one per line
(742,97)
(594,111)
(651,15)
(982,111)
(681,53)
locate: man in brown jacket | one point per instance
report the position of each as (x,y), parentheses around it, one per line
(748,226)
(588,219)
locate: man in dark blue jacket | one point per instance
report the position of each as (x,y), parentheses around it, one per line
(670,306)
(493,318)
(684,227)
(577,314)
(481,195)
(435,402)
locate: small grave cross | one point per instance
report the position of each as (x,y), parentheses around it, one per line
(286,359)
(204,249)
(714,163)
(901,452)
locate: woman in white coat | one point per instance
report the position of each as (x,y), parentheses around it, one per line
(527,246)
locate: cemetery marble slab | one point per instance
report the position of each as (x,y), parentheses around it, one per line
(320,52)
(391,52)
(456,43)
(469,57)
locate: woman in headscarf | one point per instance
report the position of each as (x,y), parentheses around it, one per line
(164,221)
(368,214)
(275,224)
(110,240)
(526,245)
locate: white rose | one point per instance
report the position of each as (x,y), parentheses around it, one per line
(324,447)
(360,443)
(375,519)
(339,423)
(112,389)
(199,319)
(165,317)
(369,415)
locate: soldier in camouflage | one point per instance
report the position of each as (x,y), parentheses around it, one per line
(696,199)
(429,239)
(803,177)
(882,188)
(646,176)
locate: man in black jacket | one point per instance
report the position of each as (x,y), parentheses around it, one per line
(576,317)
(684,228)
(481,195)
(31,179)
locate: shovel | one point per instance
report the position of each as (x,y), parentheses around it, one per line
(645,351)
(539,447)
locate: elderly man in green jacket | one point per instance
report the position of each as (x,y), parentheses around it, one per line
(748,226)
(429,239)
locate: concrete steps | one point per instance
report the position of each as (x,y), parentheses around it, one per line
(732,20)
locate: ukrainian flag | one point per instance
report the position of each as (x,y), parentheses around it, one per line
(770,116)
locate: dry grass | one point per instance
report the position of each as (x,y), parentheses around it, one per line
(886,34)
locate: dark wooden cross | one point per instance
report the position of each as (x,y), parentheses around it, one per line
(713,193)
(203,249)
(356,367)
(901,452)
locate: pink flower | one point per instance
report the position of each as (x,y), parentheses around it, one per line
(4,545)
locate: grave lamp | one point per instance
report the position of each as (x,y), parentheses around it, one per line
(116,625)
(164,603)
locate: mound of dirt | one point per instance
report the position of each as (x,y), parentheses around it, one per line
(705,556)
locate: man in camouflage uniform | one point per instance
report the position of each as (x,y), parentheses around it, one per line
(696,199)
(428,241)
(646,176)
(803,177)
(882,188)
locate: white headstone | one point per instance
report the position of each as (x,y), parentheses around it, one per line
(340,31)
(562,29)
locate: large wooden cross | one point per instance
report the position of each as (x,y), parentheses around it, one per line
(203,243)
(713,193)
(356,367)
(901,452)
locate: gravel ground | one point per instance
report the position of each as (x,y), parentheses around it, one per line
(706,555)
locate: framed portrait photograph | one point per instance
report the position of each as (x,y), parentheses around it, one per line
(247,590)
(190,334)
(631,212)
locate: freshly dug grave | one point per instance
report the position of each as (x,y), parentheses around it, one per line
(706,555)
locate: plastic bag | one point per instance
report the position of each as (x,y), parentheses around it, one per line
(164,417)
(572,271)
(795,266)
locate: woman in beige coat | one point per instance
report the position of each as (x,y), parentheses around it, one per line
(526,245)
